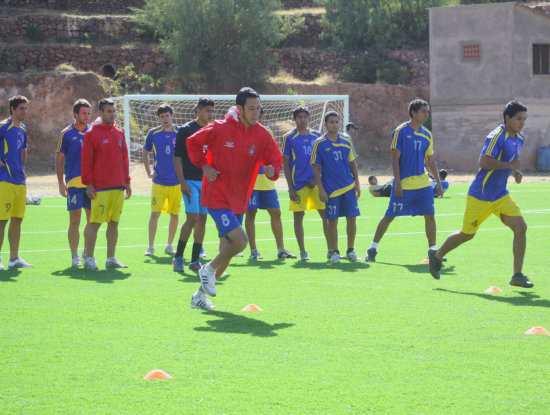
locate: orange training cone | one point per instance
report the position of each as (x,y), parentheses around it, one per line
(538,330)
(252,307)
(493,289)
(157,374)
(425,261)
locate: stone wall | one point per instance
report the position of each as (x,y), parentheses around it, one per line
(95,6)
(298,4)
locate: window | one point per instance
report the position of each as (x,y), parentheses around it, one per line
(541,59)
(470,51)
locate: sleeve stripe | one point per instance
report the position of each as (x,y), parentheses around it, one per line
(396,135)
(492,144)
(60,141)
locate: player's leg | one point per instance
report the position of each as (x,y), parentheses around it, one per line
(381,229)
(349,207)
(74,234)
(250,226)
(192,210)
(351,230)
(332,213)
(91,238)
(153,224)
(14,230)
(87,210)
(114,210)
(6,205)
(299,229)
(431,230)
(298,208)
(198,238)
(173,204)
(172,229)
(2,229)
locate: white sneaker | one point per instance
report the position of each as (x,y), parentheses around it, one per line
(19,263)
(90,263)
(255,254)
(199,300)
(352,256)
(335,256)
(304,256)
(114,263)
(169,250)
(285,253)
(150,251)
(84,255)
(239,255)
(208,281)
(329,254)
(76,261)
(2,268)
(203,253)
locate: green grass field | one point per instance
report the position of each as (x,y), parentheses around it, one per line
(333,338)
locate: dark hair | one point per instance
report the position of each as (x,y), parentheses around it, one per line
(261,111)
(442,174)
(16,100)
(164,107)
(512,108)
(244,94)
(415,105)
(299,109)
(79,103)
(371,177)
(331,114)
(105,101)
(204,102)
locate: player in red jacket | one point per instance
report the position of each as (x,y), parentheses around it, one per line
(106,174)
(236,148)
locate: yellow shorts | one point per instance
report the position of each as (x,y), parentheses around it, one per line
(166,199)
(307,197)
(13,200)
(107,206)
(478,210)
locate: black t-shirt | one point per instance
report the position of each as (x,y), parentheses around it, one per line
(190,171)
(384,189)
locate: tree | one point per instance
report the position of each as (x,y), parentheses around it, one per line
(215,44)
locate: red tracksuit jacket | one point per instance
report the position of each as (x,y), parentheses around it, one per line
(236,152)
(105,157)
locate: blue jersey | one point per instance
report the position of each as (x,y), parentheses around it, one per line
(70,144)
(414,147)
(161,143)
(334,158)
(444,186)
(490,185)
(13,140)
(298,149)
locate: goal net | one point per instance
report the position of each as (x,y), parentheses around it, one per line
(136,114)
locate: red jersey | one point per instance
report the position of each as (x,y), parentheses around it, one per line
(105,157)
(236,152)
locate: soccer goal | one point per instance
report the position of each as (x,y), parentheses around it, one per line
(137,113)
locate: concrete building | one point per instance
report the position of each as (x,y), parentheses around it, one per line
(481,57)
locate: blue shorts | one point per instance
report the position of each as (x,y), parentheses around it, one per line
(412,203)
(226,220)
(78,199)
(263,199)
(193,203)
(343,205)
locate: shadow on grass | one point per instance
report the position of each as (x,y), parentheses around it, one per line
(527,299)
(238,324)
(103,276)
(8,275)
(347,266)
(421,268)
(158,260)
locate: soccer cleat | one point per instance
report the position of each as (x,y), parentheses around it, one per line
(371,255)
(114,263)
(304,256)
(19,263)
(90,263)
(520,280)
(76,261)
(84,255)
(2,268)
(202,253)
(255,254)
(352,256)
(177,263)
(195,266)
(199,300)
(435,263)
(335,257)
(169,250)
(239,255)
(208,281)
(329,254)
(150,251)
(285,253)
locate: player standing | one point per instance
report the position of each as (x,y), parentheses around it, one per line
(166,192)
(304,193)
(190,179)
(13,188)
(336,175)
(264,196)
(68,160)
(411,193)
(236,148)
(488,193)
(106,174)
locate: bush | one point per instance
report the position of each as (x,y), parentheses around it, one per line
(35,33)
(127,80)
(374,68)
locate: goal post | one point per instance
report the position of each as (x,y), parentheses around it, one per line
(137,113)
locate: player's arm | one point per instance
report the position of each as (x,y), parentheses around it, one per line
(355,173)
(272,160)
(395,156)
(126,162)
(288,177)
(24,160)
(59,159)
(490,163)
(87,165)
(147,163)
(2,145)
(317,175)
(432,166)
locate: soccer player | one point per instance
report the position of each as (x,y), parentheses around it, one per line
(106,174)
(444,182)
(68,160)
(13,188)
(166,192)
(379,190)
(304,193)
(488,193)
(411,194)
(336,175)
(190,179)
(264,196)
(236,148)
